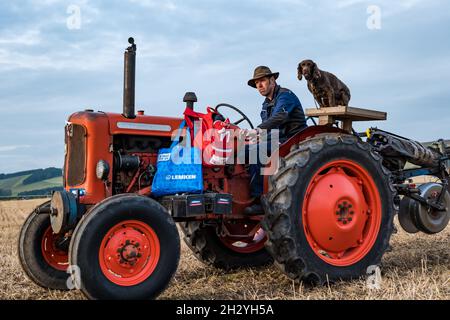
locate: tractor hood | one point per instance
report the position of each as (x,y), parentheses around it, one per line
(118,124)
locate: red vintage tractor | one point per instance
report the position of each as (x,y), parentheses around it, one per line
(329,206)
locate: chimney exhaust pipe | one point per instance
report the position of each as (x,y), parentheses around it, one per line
(129,81)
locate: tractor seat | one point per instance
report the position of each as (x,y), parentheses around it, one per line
(329,116)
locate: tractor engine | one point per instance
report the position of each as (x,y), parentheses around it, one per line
(134,162)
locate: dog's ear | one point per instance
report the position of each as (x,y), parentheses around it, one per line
(299,72)
(316,72)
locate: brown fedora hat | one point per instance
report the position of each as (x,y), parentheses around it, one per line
(261,72)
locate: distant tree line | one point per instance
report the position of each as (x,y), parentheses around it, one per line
(4,176)
(42,174)
(36,174)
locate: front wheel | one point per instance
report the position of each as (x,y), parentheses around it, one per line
(330,209)
(41,255)
(127,247)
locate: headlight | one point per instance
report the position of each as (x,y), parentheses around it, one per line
(102,170)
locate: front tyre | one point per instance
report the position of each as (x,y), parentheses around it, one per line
(127,247)
(329,209)
(40,254)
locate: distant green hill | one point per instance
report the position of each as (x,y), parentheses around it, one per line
(31,182)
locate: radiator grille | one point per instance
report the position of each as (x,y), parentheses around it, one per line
(76,156)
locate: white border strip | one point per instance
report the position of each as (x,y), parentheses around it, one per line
(144,126)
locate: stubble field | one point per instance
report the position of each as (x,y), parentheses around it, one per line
(418,267)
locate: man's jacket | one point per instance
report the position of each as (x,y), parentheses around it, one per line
(283,112)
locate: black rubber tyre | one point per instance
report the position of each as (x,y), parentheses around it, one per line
(94,226)
(207,247)
(30,253)
(283,221)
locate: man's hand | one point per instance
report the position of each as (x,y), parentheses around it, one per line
(252,135)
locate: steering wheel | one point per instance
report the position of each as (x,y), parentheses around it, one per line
(244,117)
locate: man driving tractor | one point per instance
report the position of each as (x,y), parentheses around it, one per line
(281,110)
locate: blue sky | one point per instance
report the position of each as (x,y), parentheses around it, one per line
(48,71)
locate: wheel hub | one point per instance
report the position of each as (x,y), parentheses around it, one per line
(345,212)
(337,212)
(129,253)
(332,221)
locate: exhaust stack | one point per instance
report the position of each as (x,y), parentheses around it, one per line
(129,80)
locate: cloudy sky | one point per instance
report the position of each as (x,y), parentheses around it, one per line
(394,55)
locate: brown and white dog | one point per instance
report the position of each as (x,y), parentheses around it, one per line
(326,88)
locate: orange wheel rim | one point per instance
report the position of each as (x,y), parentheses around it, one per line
(129,253)
(341,213)
(56,258)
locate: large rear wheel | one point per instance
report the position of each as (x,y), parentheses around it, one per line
(126,247)
(330,209)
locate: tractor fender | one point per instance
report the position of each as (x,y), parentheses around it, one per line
(285,148)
